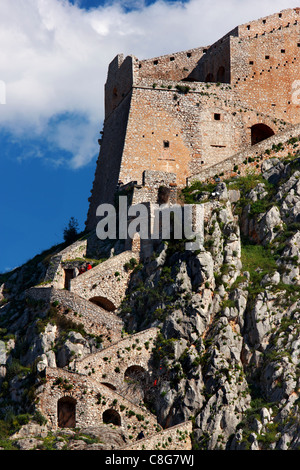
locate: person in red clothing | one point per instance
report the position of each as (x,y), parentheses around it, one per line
(88,266)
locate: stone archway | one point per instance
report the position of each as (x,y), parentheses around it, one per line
(103,302)
(111,416)
(66,412)
(108,385)
(260,132)
(137,374)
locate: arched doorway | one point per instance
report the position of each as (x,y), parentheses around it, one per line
(209,78)
(260,132)
(221,74)
(111,416)
(103,302)
(66,412)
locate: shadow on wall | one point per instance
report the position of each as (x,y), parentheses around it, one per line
(260,132)
(103,302)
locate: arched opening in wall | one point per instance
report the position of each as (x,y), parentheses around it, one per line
(103,302)
(112,387)
(209,78)
(221,75)
(260,132)
(111,416)
(66,412)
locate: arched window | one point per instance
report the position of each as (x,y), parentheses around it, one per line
(111,416)
(260,132)
(221,75)
(104,303)
(66,412)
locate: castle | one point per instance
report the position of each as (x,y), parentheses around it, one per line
(185,113)
(168,120)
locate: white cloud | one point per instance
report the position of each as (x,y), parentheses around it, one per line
(54,57)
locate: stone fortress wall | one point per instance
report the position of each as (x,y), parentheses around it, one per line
(185,112)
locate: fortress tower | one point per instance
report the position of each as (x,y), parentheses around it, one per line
(184,112)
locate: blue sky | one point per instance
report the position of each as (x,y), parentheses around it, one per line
(53,63)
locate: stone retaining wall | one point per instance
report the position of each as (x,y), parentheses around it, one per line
(108,280)
(174,438)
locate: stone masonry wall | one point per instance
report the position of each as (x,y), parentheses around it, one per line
(108,280)
(174,438)
(110,364)
(55,273)
(177,66)
(226,168)
(264,69)
(95,320)
(109,161)
(92,399)
(165,128)
(184,133)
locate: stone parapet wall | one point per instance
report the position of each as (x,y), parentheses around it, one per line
(270,23)
(174,438)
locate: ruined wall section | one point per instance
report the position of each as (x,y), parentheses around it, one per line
(174,438)
(109,365)
(95,320)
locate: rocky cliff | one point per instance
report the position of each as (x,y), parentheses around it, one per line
(226,356)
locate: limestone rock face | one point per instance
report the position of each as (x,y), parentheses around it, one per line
(226,349)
